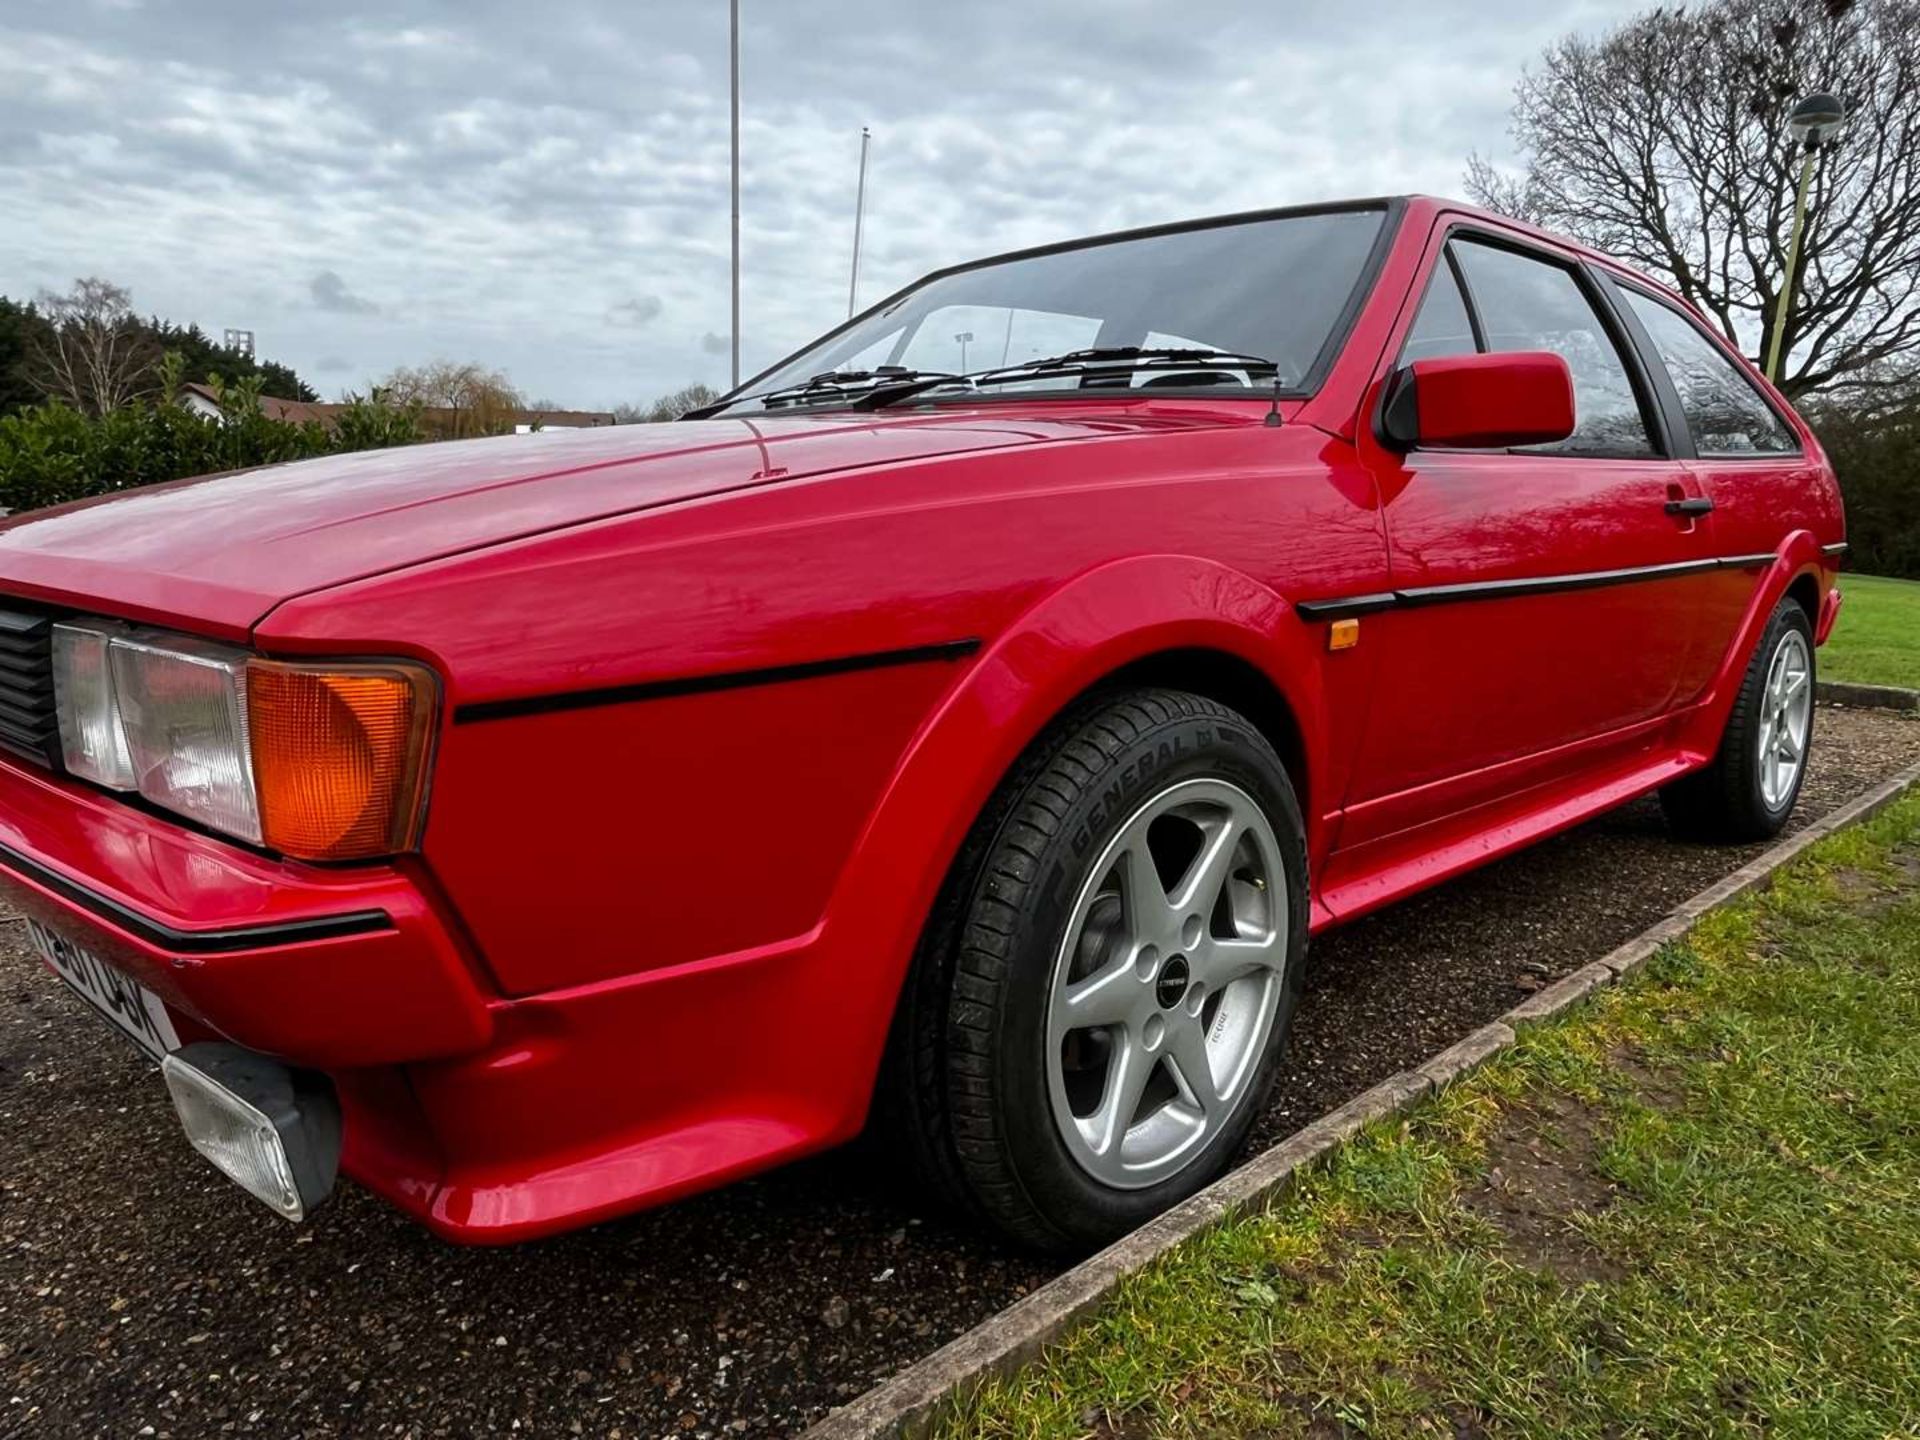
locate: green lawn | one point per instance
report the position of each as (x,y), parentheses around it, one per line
(1876,641)
(1690,1208)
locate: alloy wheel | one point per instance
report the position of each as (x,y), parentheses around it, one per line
(1166,983)
(1786,714)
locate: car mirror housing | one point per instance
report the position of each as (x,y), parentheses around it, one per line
(1478,402)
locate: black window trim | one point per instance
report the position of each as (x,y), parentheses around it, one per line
(1653,412)
(1474,323)
(1446,266)
(1392,210)
(1646,354)
(1657,364)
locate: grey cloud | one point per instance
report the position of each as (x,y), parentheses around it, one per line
(506,169)
(332,364)
(330,293)
(641,310)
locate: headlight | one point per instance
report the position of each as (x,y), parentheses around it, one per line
(183,705)
(322,761)
(91,739)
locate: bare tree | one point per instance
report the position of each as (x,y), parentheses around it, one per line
(1663,142)
(454,400)
(667,407)
(94,354)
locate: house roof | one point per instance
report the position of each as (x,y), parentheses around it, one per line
(292,412)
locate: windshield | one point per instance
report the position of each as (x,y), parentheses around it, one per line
(1274,288)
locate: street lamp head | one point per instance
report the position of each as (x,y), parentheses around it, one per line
(1817,120)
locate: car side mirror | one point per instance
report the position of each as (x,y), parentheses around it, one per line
(1478,402)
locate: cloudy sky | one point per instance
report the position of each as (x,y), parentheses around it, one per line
(543,186)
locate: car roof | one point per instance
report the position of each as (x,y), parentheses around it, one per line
(1426,206)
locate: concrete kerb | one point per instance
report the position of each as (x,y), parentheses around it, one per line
(1865,697)
(998,1346)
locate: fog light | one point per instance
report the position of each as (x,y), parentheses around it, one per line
(272,1131)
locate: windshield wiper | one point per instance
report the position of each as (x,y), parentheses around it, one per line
(886,385)
(1102,360)
(1134,357)
(828,385)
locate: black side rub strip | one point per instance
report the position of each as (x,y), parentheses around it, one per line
(1352,605)
(196,942)
(1346,606)
(1839,549)
(481,710)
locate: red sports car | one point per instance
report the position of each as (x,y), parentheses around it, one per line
(965,724)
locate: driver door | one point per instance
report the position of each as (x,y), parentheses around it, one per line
(1545,614)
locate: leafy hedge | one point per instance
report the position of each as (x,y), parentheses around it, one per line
(1879,468)
(51,453)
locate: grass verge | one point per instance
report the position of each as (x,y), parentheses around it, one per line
(1876,641)
(1691,1207)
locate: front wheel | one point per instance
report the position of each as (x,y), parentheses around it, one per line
(1114,971)
(1749,789)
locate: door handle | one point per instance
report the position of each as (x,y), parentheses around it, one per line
(1692,505)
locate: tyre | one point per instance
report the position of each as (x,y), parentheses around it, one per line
(1099,1006)
(1749,789)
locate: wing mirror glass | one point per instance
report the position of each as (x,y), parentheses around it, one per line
(1478,402)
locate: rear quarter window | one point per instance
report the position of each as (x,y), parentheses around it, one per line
(1725,413)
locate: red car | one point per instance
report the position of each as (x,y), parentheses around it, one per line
(965,724)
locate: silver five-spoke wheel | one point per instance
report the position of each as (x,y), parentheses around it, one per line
(1786,713)
(1166,983)
(1746,791)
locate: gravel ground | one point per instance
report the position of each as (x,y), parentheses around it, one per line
(140,1294)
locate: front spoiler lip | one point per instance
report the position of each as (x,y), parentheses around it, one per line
(217,941)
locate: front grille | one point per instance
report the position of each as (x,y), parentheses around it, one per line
(27,724)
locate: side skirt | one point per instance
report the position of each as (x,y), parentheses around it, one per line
(1362,879)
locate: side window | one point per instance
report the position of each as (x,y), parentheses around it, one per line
(1529,304)
(1725,413)
(1441,327)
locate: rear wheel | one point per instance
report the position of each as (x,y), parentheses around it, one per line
(1749,789)
(1101,1001)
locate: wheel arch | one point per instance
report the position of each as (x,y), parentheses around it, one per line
(1804,591)
(1169,620)
(1233,681)
(1793,572)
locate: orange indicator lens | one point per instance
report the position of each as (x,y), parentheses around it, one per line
(339,756)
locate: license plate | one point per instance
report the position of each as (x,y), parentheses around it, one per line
(137,1011)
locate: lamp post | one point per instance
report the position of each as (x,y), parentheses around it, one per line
(859,214)
(1814,122)
(965,338)
(733,59)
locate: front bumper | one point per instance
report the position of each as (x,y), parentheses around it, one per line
(491,1120)
(285,959)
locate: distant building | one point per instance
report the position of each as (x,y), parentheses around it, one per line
(200,400)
